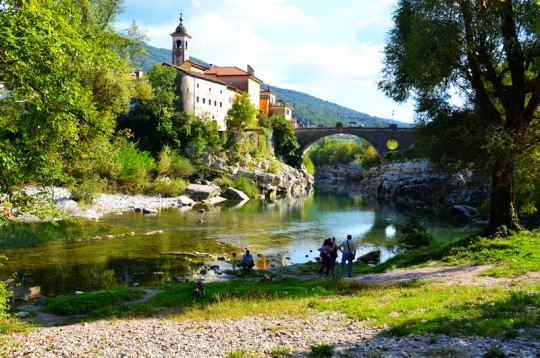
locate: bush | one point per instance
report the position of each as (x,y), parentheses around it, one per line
(308,163)
(136,168)
(370,157)
(174,165)
(274,166)
(4,293)
(412,234)
(245,185)
(169,187)
(86,191)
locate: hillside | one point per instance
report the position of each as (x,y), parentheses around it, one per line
(308,109)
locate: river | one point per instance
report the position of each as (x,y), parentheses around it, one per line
(125,249)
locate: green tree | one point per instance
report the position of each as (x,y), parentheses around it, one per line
(64,66)
(486,55)
(285,141)
(242,114)
(154,118)
(199,136)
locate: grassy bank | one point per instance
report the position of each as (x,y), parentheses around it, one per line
(419,306)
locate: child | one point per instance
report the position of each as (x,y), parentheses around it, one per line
(234,261)
(198,289)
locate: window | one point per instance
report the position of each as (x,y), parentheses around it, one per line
(197,85)
(215,103)
(209,101)
(220,91)
(288,112)
(197,99)
(220,104)
(204,100)
(179,43)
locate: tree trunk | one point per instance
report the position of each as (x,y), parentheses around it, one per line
(502,200)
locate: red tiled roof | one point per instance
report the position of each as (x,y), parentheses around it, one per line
(226,71)
(198,75)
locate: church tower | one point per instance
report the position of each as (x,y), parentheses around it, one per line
(180,37)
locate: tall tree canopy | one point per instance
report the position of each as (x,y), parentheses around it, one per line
(473,69)
(64,68)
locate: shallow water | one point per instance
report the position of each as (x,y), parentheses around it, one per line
(68,257)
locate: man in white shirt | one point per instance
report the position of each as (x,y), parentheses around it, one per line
(348,249)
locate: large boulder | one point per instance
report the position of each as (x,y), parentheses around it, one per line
(199,192)
(234,194)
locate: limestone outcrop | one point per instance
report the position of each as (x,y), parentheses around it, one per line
(417,186)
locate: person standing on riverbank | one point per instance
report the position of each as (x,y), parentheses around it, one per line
(325,250)
(333,255)
(348,249)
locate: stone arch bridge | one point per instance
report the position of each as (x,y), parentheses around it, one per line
(384,139)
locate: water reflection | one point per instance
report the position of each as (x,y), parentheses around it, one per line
(82,256)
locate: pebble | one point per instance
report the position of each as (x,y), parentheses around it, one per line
(259,335)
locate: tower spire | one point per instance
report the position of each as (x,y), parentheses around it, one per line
(180,39)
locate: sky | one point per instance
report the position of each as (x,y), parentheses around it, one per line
(328,49)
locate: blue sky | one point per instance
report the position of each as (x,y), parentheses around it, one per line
(328,49)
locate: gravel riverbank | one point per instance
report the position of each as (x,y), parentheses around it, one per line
(263,336)
(260,336)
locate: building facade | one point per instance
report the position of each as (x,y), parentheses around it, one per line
(210,90)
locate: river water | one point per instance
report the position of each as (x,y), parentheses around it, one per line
(137,249)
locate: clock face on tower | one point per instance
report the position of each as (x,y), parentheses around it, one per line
(392,144)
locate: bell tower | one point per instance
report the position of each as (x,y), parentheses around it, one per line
(180,50)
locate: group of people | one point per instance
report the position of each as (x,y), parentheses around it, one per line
(247,262)
(329,253)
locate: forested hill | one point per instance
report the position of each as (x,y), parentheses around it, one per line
(308,109)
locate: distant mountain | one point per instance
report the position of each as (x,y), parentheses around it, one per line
(308,109)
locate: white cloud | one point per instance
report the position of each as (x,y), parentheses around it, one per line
(288,48)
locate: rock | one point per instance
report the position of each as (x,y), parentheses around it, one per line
(149,211)
(199,192)
(234,194)
(185,201)
(214,200)
(371,257)
(67,205)
(464,213)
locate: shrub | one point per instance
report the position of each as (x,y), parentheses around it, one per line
(321,351)
(4,293)
(274,166)
(136,168)
(244,184)
(412,234)
(169,187)
(370,158)
(86,191)
(308,164)
(181,167)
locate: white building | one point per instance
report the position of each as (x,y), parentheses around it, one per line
(208,90)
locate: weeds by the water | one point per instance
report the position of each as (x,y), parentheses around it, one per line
(322,351)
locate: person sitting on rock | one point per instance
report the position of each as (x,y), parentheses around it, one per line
(198,289)
(247,261)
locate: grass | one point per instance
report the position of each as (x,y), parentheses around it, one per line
(417,307)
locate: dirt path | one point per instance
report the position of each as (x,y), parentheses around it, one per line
(462,274)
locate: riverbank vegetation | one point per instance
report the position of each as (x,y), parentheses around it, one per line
(415,306)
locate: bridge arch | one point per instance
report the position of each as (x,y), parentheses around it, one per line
(384,139)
